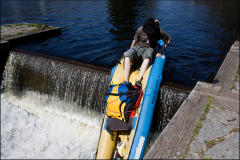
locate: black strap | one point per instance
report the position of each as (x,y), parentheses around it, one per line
(108,130)
(129,129)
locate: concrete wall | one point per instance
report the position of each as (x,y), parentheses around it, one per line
(177,135)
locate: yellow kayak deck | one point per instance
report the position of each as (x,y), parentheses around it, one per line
(107,143)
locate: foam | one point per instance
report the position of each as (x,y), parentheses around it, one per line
(36,129)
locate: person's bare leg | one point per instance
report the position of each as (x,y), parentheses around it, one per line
(127,68)
(143,68)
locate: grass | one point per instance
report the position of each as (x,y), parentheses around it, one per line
(19,33)
(198,90)
(236,77)
(7,36)
(210,143)
(19,24)
(39,26)
(8,25)
(233,86)
(207,158)
(185,153)
(199,125)
(234,129)
(222,108)
(220,140)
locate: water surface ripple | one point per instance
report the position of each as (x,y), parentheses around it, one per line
(97,32)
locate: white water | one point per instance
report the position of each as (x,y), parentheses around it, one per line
(34,128)
(35,125)
(47,132)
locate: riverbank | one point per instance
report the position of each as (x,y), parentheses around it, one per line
(19,33)
(13,31)
(207,123)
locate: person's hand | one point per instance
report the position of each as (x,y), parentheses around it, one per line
(158,55)
(124,53)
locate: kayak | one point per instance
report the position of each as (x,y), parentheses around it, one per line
(132,143)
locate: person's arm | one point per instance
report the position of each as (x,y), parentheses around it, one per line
(167,40)
(136,39)
(133,43)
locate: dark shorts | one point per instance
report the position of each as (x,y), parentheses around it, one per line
(135,52)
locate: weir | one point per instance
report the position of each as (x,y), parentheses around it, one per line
(77,85)
(81,86)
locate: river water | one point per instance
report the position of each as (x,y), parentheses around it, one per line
(37,124)
(98,32)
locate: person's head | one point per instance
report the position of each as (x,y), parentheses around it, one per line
(150,25)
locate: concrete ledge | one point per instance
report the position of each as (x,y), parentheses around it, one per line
(23,38)
(5,48)
(83,65)
(9,42)
(172,141)
(177,135)
(226,73)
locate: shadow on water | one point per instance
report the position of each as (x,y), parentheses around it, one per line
(126,17)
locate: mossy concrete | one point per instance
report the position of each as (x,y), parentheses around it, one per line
(16,34)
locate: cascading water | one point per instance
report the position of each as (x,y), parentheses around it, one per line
(60,110)
(67,102)
(80,87)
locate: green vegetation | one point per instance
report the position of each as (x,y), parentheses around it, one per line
(19,24)
(39,26)
(7,36)
(222,108)
(196,130)
(185,153)
(233,86)
(36,27)
(207,158)
(220,140)
(19,33)
(198,90)
(210,143)
(199,125)
(8,25)
(236,77)
(234,129)
(206,108)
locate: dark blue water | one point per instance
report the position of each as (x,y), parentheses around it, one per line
(97,32)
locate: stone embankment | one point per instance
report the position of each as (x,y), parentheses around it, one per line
(16,34)
(206,125)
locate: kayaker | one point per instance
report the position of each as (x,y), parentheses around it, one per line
(144,45)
